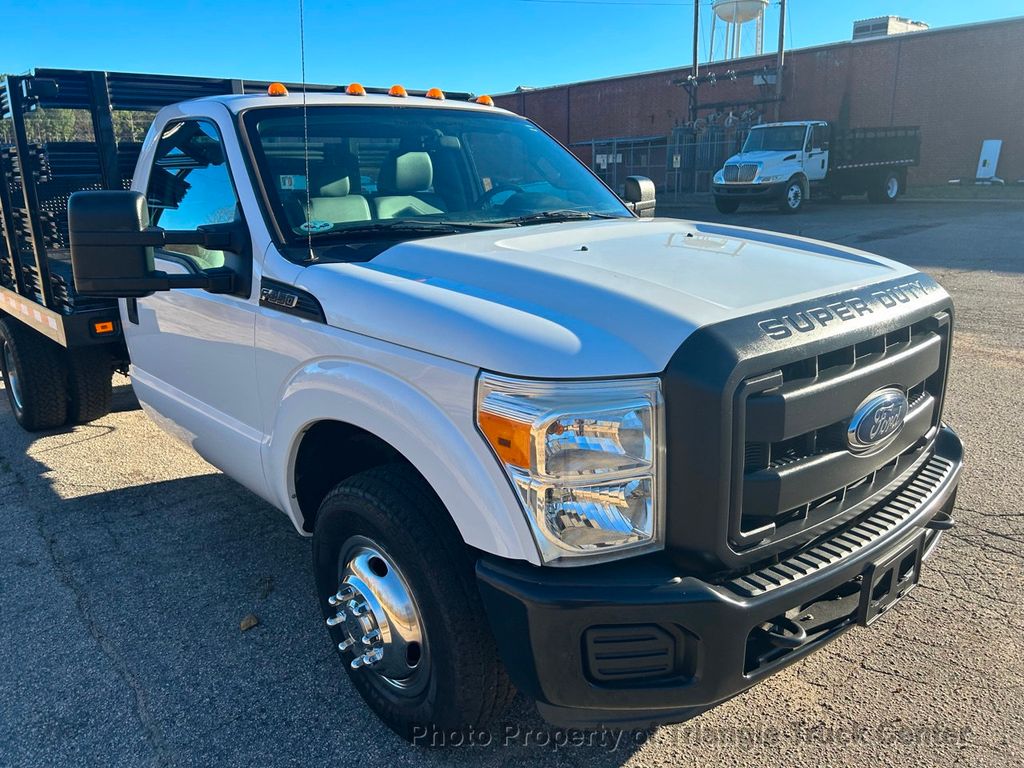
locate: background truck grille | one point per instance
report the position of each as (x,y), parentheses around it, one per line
(793,470)
(743,172)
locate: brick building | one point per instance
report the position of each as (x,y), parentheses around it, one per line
(960,84)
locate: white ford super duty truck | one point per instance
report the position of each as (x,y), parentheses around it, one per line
(630,466)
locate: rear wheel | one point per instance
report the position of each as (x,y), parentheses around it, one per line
(726,205)
(35,377)
(90,384)
(398,593)
(792,197)
(886,188)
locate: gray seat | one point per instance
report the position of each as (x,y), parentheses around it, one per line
(403,187)
(332,184)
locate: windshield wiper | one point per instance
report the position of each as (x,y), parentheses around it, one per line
(407,226)
(545,217)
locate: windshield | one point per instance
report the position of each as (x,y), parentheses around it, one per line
(777,138)
(402,172)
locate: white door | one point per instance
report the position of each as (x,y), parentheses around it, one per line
(193,355)
(988,160)
(816,152)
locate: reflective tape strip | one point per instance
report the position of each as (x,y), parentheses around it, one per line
(44,320)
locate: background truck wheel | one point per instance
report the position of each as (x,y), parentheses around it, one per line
(725,205)
(792,197)
(90,384)
(397,588)
(35,377)
(886,188)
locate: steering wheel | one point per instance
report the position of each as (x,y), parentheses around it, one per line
(485,200)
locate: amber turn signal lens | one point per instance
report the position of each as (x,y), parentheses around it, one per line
(435,93)
(102,327)
(277,89)
(509,439)
(397,90)
(355,89)
(486,100)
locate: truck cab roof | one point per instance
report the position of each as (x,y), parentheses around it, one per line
(241,102)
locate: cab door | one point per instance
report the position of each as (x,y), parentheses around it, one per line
(816,152)
(193,354)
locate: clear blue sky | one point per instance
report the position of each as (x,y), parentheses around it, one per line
(487,46)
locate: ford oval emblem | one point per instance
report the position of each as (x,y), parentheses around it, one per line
(877,421)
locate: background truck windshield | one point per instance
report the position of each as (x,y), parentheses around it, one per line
(395,165)
(778,138)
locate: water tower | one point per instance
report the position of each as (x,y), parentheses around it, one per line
(731,27)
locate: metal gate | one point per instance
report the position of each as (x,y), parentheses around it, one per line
(682,163)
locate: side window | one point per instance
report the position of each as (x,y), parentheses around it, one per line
(189,185)
(820,140)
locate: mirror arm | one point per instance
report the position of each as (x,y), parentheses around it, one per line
(214,239)
(219,280)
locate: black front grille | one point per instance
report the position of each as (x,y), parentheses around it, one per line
(796,471)
(757,410)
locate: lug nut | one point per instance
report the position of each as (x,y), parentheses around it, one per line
(336,619)
(358,609)
(371,637)
(368,659)
(344,593)
(345,644)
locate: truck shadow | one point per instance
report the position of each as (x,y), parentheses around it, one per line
(128,610)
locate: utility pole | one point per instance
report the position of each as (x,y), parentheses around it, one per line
(780,58)
(693,70)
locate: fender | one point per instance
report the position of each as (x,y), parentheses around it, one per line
(452,457)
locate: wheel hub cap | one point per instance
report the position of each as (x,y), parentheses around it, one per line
(12,375)
(892,186)
(795,193)
(377,616)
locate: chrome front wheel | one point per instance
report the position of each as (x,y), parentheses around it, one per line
(792,197)
(380,623)
(397,587)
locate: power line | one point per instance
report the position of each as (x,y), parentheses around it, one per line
(606,2)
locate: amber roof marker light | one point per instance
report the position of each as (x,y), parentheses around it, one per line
(399,91)
(277,89)
(435,93)
(486,100)
(355,89)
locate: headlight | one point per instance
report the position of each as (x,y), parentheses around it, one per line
(768,179)
(584,458)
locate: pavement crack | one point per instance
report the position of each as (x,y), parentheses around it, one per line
(151,730)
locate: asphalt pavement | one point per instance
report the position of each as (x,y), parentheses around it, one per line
(127,565)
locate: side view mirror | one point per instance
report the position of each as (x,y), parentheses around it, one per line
(112,248)
(639,195)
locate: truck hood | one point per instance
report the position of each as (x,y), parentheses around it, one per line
(580,299)
(765,156)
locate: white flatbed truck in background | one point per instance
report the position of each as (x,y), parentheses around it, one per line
(785,163)
(630,466)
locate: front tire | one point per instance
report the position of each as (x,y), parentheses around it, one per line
(726,205)
(397,587)
(35,377)
(792,197)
